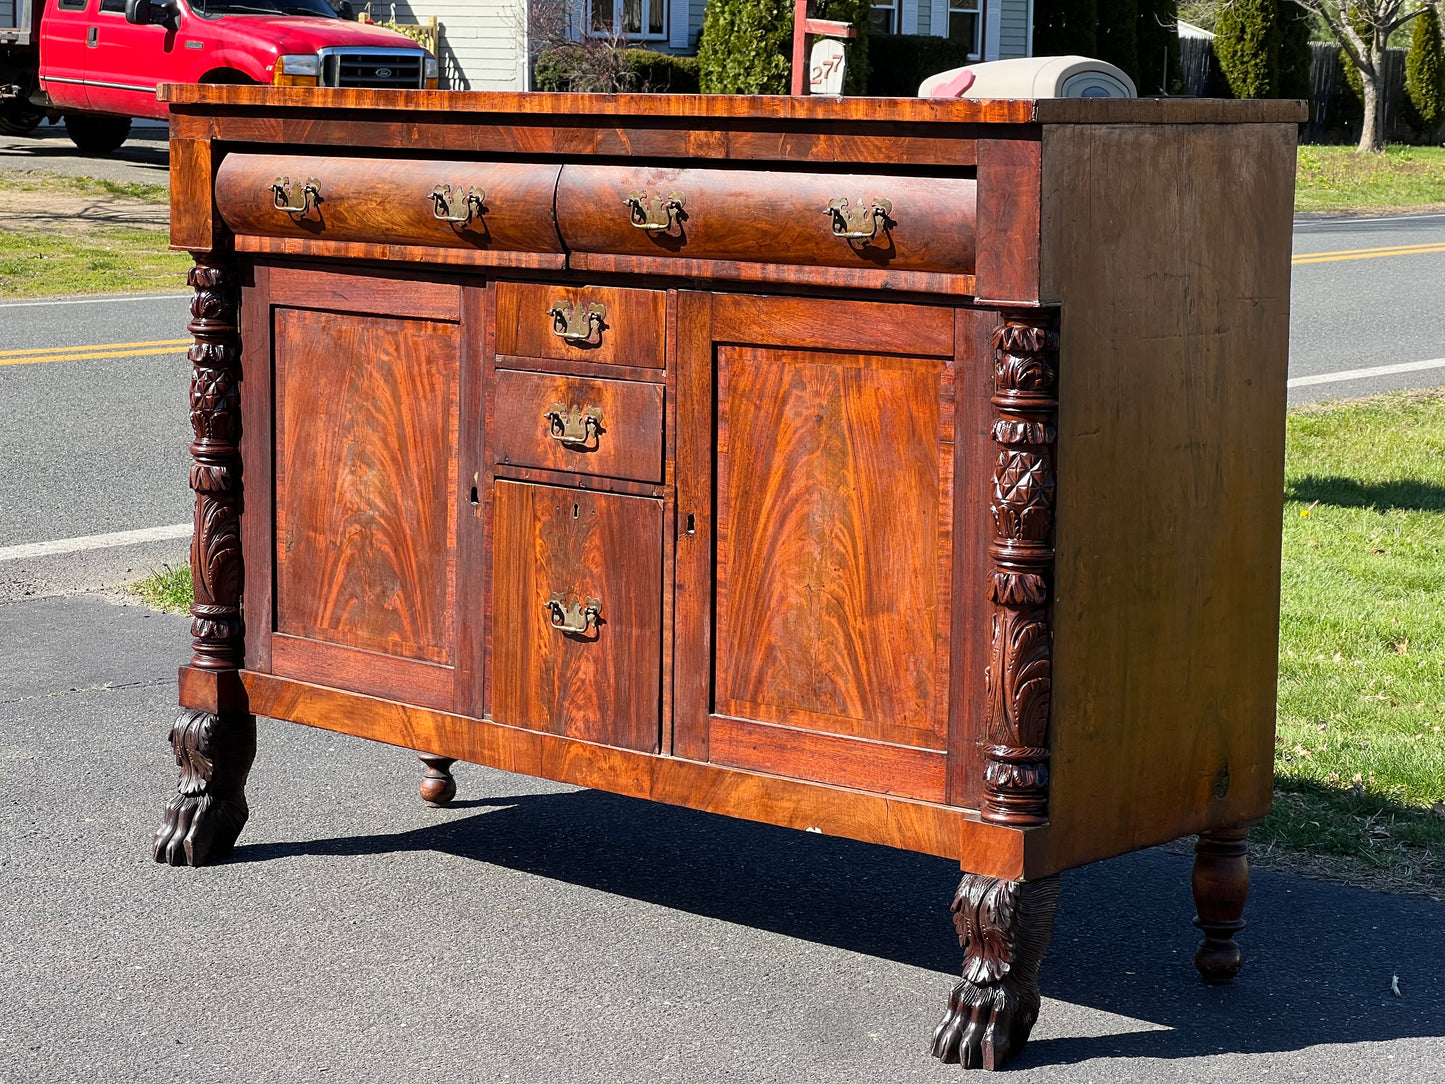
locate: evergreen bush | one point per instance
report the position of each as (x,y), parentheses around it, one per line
(1295,27)
(746,47)
(1246,43)
(1066,27)
(902,61)
(1425,74)
(601,69)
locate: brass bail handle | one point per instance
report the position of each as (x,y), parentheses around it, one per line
(654,213)
(576,618)
(860,221)
(281,195)
(574,323)
(471,203)
(580,427)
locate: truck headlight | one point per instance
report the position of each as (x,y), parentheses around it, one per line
(297,70)
(433,73)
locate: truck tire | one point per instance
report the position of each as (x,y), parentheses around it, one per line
(95,133)
(20,120)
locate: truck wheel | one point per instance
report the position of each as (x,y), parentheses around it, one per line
(97,134)
(20,120)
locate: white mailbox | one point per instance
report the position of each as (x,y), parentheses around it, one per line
(1032,77)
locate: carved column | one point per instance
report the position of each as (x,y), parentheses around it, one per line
(214,738)
(1221,886)
(1004,929)
(1018,679)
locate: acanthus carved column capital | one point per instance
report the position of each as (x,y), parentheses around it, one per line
(1019,675)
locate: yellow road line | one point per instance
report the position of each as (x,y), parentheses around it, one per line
(88,349)
(79,357)
(1366,253)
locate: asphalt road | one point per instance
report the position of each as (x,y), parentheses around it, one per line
(538,933)
(144,159)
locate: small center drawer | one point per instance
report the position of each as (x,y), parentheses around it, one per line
(610,428)
(582,323)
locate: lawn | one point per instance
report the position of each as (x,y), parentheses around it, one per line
(80,235)
(1340,179)
(1360,752)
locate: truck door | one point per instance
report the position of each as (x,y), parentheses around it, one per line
(127,61)
(63,53)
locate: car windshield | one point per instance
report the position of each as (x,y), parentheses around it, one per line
(213,8)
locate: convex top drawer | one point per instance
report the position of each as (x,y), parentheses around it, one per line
(484,207)
(863,221)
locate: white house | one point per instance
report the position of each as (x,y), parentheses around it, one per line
(484,41)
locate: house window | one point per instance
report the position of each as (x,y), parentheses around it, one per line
(883,18)
(965,21)
(635,20)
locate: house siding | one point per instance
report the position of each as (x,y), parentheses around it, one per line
(1013,28)
(481,40)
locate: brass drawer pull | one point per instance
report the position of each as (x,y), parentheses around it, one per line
(860,222)
(574,323)
(281,195)
(654,212)
(471,204)
(574,619)
(579,428)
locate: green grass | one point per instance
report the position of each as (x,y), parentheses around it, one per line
(50,248)
(1341,180)
(168,590)
(1360,752)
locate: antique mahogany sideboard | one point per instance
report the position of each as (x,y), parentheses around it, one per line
(903,470)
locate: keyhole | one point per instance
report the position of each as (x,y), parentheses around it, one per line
(576,509)
(474,494)
(691,523)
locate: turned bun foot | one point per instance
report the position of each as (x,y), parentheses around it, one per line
(1221,885)
(438,787)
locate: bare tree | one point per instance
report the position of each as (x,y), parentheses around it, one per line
(1363,27)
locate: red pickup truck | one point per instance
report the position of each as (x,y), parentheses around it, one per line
(97,62)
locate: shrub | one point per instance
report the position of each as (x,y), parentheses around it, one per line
(600,68)
(1247,47)
(902,61)
(1295,27)
(1425,74)
(746,46)
(1066,27)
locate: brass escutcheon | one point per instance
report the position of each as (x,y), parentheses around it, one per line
(576,618)
(575,322)
(655,213)
(860,222)
(579,428)
(281,195)
(471,203)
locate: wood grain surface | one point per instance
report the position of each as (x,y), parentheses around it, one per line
(365,472)
(833,544)
(770,218)
(389,201)
(627,444)
(603,685)
(630,332)
(1170,252)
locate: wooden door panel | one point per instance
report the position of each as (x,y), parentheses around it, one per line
(366,468)
(603,683)
(834,492)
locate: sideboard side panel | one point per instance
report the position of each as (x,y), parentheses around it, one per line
(1171,250)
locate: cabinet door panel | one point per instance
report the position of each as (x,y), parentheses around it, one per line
(602,681)
(365,474)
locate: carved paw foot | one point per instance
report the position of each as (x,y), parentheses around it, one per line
(985,1026)
(1004,928)
(209,809)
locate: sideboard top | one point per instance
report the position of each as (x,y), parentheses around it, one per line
(755,107)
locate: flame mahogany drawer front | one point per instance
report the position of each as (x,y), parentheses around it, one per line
(864,221)
(611,428)
(577,640)
(597,324)
(487,207)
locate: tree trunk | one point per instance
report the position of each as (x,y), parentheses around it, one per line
(1372,127)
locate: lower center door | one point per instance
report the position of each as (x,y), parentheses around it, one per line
(577,623)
